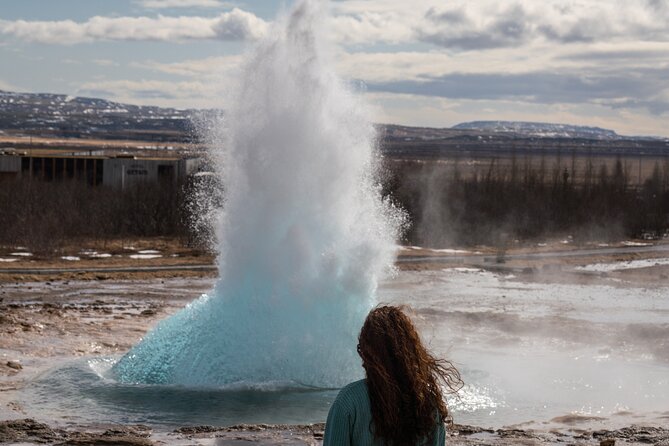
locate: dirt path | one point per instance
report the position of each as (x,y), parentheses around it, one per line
(172,264)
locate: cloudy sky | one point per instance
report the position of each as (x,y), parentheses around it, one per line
(423,62)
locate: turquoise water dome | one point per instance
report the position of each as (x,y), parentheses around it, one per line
(304,233)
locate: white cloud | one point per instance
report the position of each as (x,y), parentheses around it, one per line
(371,27)
(210,81)
(608,75)
(197,68)
(233,25)
(181,94)
(344,7)
(165,4)
(484,24)
(422,65)
(459,25)
(586,59)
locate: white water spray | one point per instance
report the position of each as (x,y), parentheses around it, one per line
(305,235)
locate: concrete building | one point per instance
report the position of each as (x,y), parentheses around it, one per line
(122,172)
(116,170)
(10,165)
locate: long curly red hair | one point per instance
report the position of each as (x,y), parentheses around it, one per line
(403,379)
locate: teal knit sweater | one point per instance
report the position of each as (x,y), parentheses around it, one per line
(350,418)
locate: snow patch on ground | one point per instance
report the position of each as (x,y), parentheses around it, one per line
(21,254)
(71,258)
(450,251)
(619,266)
(148,251)
(468,270)
(8,260)
(145,256)
(94,254)
(636,244)
(439,250)
(464,270)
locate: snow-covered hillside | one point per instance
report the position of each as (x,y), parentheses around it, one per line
(540,129)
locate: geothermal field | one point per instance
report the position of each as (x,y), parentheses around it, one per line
(244,332)
(547,353)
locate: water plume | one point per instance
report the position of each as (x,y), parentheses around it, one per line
(304,236)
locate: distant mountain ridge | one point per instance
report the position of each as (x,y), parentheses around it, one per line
(59,104)
(61,115)
(540,129)
(70,116)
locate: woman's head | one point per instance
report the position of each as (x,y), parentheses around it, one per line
(403,378)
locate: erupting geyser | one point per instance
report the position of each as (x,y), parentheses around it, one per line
(304,237)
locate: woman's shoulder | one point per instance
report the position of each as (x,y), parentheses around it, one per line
(348,413)
(355,388)
(353,393)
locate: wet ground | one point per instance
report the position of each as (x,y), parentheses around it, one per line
(545,351)
(28,431)
(566,354)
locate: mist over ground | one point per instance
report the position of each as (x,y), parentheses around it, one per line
(493,202)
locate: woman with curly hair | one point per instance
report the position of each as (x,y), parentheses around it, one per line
(400,403)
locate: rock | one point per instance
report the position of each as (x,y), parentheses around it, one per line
(572,419)
(27,430)
(635,434)
(192,430)
(514,433)
(463,429)
(16,365)
(30,431)
(86,439)
(607,442)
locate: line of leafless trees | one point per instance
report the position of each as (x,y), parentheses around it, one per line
(46,215)
(452,203)
(448,203)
